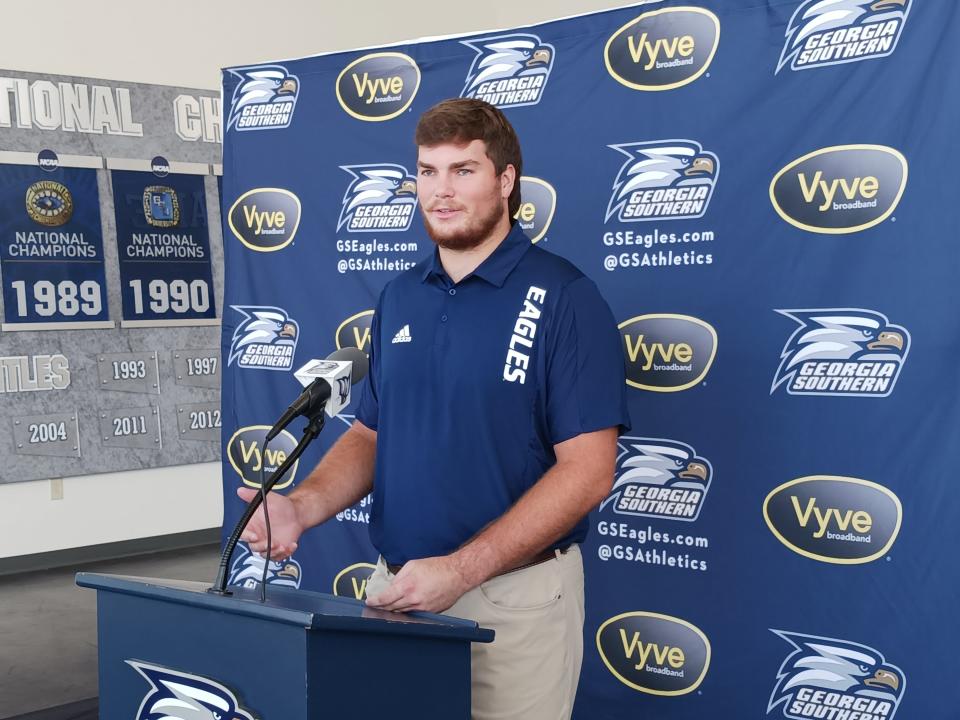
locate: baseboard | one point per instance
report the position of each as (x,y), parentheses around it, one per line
(70,557)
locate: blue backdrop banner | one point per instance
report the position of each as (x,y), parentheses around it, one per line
(762,191)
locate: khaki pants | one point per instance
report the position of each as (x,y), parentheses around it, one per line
(531,669)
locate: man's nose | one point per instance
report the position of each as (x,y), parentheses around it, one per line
(444,187)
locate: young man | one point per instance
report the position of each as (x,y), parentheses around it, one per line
(487,430)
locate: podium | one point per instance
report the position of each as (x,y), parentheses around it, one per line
(168,648)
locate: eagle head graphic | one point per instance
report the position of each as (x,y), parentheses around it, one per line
(663,164)
(506,56)
(259,85)
(181,696)
(263,325)
(384,184)
(816,16)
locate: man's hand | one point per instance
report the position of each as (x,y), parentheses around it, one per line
(432,585)
(285,527)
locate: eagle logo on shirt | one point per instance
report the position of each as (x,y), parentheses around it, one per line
(843,352)
(657,478)
(178,695)
(266,339)
(663,180)
(509,70)
(832,32)
(264,98)
(823,673)
(381,197)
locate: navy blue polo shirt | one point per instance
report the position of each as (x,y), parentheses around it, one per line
(471,385)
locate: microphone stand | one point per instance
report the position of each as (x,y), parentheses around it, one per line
(315,424)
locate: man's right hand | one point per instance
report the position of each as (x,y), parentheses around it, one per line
(285,527)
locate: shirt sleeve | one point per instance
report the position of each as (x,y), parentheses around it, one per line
(368,409)
(586,383)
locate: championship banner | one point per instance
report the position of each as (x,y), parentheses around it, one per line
(763,193)
(162,243)
(81,393)
(51,246)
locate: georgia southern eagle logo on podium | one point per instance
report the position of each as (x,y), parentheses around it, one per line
(509,70)
(832,32)
(657,478)
(823,673)
(176,695)
(848,352)
(381,197)
(663,180)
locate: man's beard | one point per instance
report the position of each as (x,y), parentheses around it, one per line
(470,236)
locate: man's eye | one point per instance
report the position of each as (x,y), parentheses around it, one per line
(464,171)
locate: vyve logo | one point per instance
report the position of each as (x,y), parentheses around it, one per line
(250,455)
(840,189)
(666,352)
(663,49)
(654,653)
(378,86)
(265,219)
(834,519)
(352,581)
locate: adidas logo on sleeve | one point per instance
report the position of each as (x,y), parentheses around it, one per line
(403,336)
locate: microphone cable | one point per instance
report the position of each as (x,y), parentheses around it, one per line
(266,520)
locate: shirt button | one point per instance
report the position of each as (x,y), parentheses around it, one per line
(453,291)
(443,318)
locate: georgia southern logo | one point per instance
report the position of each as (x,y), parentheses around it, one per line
(264,98)
(846,352)
(662,479)
(829,678)
(265,340)
(663,180)
(509,70)
(178,695)
(832,32)
(247,570)
(381,197)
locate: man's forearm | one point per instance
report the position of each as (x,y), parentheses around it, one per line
(342,477)
(545,513)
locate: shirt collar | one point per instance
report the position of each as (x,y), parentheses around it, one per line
(496,267)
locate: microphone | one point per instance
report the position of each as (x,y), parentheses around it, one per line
(326,386)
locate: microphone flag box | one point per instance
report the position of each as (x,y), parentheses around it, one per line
(336,373)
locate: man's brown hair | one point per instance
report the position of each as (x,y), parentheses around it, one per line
(461,120)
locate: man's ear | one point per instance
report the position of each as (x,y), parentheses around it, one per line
(507,180)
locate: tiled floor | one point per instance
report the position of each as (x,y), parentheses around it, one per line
(48,634)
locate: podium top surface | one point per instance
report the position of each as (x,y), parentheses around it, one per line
(312,610)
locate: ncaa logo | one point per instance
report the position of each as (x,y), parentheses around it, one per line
(245,449)
(654,653)
(834,519)
(667,353)
(48,160)
(844,352)
(355,331)
(174,694)
(509,70)
(842,31)
(663,49)
(352,581)
(538,202)
(266,339)
(840,189)
(264,98)
(379,86)
(660,479)
(381,197)
(247,570)
(265,219)
(49,203)
(159,166)
(829,678)
(663,180)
